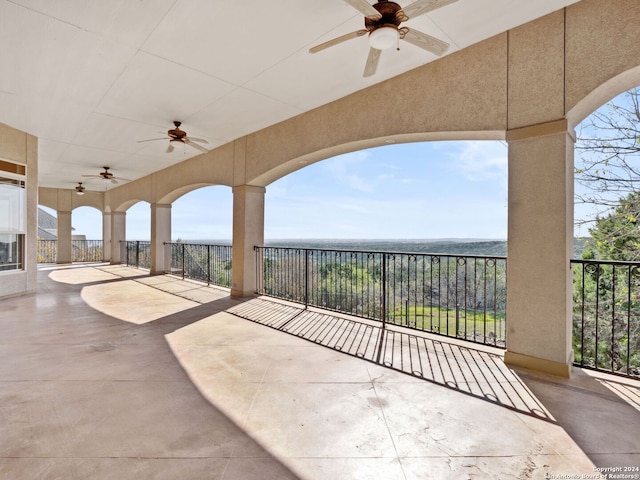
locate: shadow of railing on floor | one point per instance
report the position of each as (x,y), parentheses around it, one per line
(478,372)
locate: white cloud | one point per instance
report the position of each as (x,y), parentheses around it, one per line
(341,170)
(481,161)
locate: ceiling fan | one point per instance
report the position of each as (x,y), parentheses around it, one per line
(107,176)
(382,23)
(80,189)
(178,137)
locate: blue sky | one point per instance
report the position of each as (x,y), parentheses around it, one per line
(417,190)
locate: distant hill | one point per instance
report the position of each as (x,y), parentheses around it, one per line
(446,246)
(442,246)
(490,248)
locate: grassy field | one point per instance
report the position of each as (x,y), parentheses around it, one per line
(467,323)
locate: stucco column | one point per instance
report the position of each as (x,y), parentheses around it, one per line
(540,247)
(106,236)
(63,254)
(248,230)
(118,234)
(160,233)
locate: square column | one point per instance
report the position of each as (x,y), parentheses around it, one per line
(63,254)
(160,233)
(118,234)
(540,248)
(248,231)
(106,236)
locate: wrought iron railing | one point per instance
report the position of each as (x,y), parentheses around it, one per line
(86,251)
(81,251)
(206,263)
(136,253)
(457,296)
(47,251)
(606,316)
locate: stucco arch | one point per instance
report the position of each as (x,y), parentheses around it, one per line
(93,200)
(172,196)
(604,93)
(47,202)
(63,200)
(297,163)
(123,207)
(165,186)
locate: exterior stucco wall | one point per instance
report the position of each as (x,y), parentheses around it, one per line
(213,168)
(67,200)
(464,92)
(536,72)
(22,148)
(602,53)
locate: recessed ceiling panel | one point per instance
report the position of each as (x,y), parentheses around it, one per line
(156,91)
(251,112)
(125,21)
(235,41)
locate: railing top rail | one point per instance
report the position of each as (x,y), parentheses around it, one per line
(604,262)
(381,252)
(199,244)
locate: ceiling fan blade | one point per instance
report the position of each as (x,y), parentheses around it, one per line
(196,139)
(151,140)
(196,146)
(91,176)
(421,7)
(338,40)
(365,8)
(427,42)
(169,148)
(113,180)
(372,62)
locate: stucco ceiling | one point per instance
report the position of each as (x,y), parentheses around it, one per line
(92,78)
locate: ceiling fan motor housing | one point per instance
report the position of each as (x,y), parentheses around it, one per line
(176,133)
(388,10)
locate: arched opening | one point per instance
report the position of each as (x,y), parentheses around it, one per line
(607,209)
(85,240)
(138,222)
(87,236)
(47,235)
(87,223)
(607,150)
(47,223)
(412,235)
(454,190)
(203,216)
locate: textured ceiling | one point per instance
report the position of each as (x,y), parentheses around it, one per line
(92,78)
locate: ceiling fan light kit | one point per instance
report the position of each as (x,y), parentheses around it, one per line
(384,38)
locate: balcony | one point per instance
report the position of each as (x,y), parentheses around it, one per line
(191,383)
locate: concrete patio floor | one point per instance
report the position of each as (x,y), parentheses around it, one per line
(108,373)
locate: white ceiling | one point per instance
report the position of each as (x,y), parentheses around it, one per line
(92,78)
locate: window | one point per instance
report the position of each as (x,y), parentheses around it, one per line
(13,216)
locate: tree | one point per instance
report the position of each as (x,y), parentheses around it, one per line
(608,155)
(617,235)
